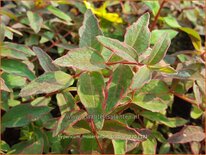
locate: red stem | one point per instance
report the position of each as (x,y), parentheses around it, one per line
(157,15)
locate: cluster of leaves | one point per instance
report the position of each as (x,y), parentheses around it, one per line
(82,96)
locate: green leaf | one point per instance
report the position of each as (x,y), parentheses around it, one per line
(45,60)
(150,102)
(88,32)
(121,79)
(158,117)
(188,134)
(196,112)
(153,5)
(16,67)
(156,34)
(149,146)
(163,69)
(29,147)
(35,21)
(66,102)
(155,87)
(4,146)
(143,76)
(90,89)
(13,81)
(83,59)
(59,13)
(119,48)
(171,21)
(138,34)
(17,51)
(68,119)
(194,36)
(115,130)
(3,85)
(23,114)
(2,32)
(47,83)
(159,50)
(119,146)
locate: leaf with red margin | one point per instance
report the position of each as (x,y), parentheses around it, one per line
(115,130)
(119,48)
(86,59)
(138,34)
(188,134)
(118,85)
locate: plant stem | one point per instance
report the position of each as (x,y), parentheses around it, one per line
(189,100)
(96,136)
(157,15)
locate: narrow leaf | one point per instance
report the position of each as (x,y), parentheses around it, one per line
(45,60)
(121,80)
(115,130)
(68,119)
(119,48)
(141,77)
(23,114)
(16,67)
(59,13)
(138,34)
(82,58)
(47,83)
(89,30)
(35,21)
(159,50)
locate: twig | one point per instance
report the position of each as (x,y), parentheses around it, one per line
(96,136)
(157,15)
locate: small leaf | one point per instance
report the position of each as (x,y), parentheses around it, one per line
(163,69)
(3,85)
(120,81)
(196,112)
(2,32)
(35,21)
(159,50)
(115,130)
(45,60)
(153,5)
(149,146)
(138,34)
(88,32)
(188,134)
(150,102)
(90,89)
(194,36)
(143,76)
(23,114)
(17,51)
(16,67)
(158,117)
(59,13)
(119,146)
(68,119)
(119,48)
(156,34)
(82,58)
(197,93)
(47,83)
(171,21)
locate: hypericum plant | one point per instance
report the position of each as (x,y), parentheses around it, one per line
(121,93)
